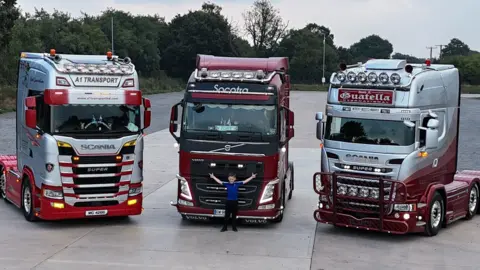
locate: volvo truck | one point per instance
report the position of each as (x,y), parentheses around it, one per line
(235,118)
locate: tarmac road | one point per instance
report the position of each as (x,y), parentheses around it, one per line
(159,239)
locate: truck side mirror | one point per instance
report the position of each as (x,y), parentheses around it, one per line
(319,118)
(291,118)
(431,140)
(173,121)
(31,112)
(147,114)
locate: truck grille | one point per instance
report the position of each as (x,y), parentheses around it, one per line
(95,175)
(208,194)
(363,187)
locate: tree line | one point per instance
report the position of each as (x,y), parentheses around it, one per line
(164,52)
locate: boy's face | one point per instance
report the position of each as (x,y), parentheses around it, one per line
(232,179)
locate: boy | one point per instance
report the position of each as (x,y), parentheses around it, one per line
(231,206)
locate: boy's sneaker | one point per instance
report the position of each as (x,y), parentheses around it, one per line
(223,229)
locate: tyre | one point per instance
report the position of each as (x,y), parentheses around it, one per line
(292,181)
(280,217)
(27,201)
(3,185)
(473,200)
(436,215)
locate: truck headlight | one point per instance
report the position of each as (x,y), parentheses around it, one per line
(135,191)
(184,188)
(267,194)
(318,182)
(404,207)
(53,194)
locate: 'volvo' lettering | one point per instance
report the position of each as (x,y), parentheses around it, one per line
(230,89)
(97,147)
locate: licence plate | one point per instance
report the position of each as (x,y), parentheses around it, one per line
(219,212)
(96,213)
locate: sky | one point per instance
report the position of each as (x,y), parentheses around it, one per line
(410,25)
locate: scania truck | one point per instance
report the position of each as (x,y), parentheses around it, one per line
(235,118)
(79,138)
(390,149)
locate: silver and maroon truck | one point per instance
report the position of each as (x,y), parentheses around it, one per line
(79,138)
(390,146)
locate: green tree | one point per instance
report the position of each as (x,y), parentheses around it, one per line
(455,47)
(9,13)
(409,58)
(265,27)
(204,31)
(304,47)
(372,46)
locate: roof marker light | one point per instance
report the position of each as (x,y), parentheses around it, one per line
(52,52)
(362,77)
(351,76)
(428,62)
(343,66)
(383,77)
(372,77)
(395,78)
(109,55)
(409,68)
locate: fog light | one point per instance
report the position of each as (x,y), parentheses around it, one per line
(183,202)
(397,215)
(57,205)
(132,201)
(266,207)
(320,205)
(406,216)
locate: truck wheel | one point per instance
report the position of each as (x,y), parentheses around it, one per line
(435,213)
(27,201)
(472,202)
(292,181)
(280,217)
(3,185)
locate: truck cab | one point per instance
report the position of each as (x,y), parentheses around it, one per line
(79,138)
(235,117)
(390,146)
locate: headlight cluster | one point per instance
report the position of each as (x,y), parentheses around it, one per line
(363,192)
(184,188)
(371,77)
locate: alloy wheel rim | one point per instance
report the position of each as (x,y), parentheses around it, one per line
(436,214)
(473,199)
(3,186)
(27,200)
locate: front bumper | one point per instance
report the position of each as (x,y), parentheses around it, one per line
(58,210)
(250,216)
(387,224)
(368,213)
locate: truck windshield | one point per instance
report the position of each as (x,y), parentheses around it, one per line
(367,131)
(95,119)
(230,118)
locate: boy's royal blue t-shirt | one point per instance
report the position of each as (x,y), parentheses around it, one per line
(232,190)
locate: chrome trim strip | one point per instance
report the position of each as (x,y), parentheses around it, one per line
(246,217)
(227,154)
(225,142)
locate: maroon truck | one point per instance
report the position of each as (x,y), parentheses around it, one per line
(235,117)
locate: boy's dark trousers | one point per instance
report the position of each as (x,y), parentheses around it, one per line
(231,208)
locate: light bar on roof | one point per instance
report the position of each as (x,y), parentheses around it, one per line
(98,69)
(362,77)
(233,75)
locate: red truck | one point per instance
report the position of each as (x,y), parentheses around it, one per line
(390,149)
(235,118)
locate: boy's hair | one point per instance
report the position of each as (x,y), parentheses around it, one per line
(232,174)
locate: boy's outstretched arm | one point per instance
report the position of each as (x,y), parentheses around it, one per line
(215,178)
(249,179)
